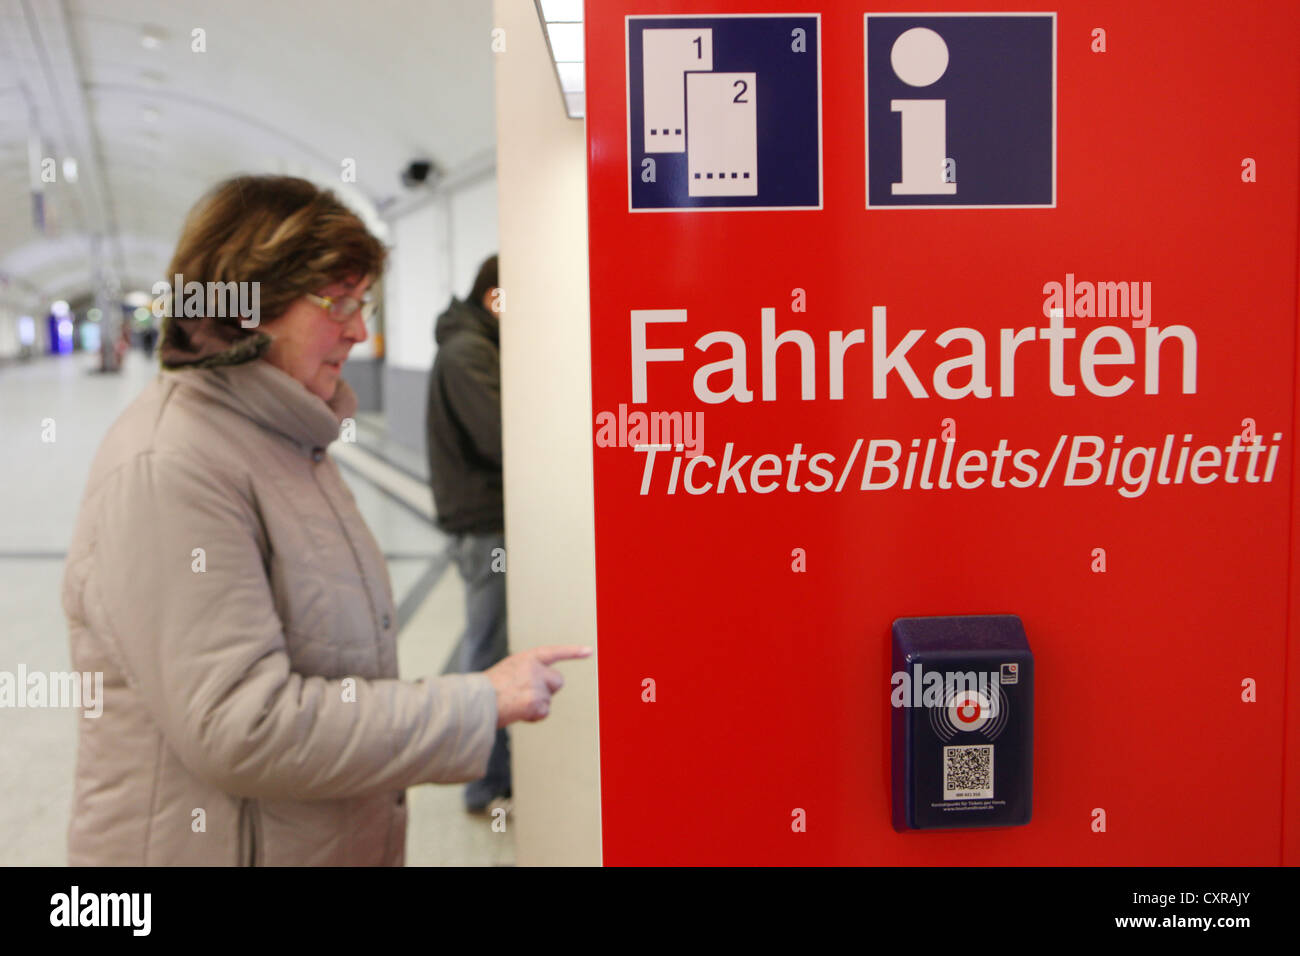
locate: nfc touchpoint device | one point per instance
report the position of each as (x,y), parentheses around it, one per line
(962,697)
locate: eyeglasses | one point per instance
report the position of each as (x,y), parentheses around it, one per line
(342,308)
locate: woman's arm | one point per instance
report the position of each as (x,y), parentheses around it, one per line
(205,651)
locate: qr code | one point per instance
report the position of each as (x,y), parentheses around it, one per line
(968,772)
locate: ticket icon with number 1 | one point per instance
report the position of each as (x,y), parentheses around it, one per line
(722,134)
(669,54)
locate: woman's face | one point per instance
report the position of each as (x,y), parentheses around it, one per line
(309,345)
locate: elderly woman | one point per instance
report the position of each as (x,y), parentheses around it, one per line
(225,584)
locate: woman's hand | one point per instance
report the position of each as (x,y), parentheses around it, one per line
(524,682)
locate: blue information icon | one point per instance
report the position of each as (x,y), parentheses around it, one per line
(961,110)
(724,112)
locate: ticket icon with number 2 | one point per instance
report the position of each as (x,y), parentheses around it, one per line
(722,134)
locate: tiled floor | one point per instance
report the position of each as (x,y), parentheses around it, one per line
(40,489)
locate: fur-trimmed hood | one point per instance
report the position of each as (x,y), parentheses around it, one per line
(202,342)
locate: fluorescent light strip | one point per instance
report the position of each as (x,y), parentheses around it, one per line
(554,11)
(566,42)
(563,28)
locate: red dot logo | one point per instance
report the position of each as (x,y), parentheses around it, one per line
(968,710)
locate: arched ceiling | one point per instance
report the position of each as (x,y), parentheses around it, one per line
(282,86)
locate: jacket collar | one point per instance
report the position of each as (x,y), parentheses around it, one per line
(466,316)
(489,323)
(272,399)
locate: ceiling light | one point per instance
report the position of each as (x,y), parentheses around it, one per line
(570,77)
(151,37)
(562,27)
(554,11)
(566,41)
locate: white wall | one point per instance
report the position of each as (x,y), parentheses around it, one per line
(416,286)
(473,216)
(546,404)
(437,249)
(438,243)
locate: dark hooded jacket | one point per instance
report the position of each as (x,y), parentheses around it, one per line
(463,421)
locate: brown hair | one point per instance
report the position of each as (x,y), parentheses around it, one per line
(286,234)
(485,281)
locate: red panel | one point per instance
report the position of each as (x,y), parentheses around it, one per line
(1291,753)
(772,685)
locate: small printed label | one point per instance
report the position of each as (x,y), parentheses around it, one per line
(1010,674)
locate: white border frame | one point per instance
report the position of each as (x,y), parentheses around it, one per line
(866,106)
(627,109)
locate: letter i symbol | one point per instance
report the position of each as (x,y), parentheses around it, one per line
(920,58)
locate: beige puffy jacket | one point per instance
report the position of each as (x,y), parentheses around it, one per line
(223,581)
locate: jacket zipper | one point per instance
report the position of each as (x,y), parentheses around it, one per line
(257,834)
(251,817)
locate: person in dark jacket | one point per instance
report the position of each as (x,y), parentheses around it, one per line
(463,426)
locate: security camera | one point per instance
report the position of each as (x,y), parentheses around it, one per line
(418,171)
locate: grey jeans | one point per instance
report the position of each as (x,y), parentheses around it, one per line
(484,641)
